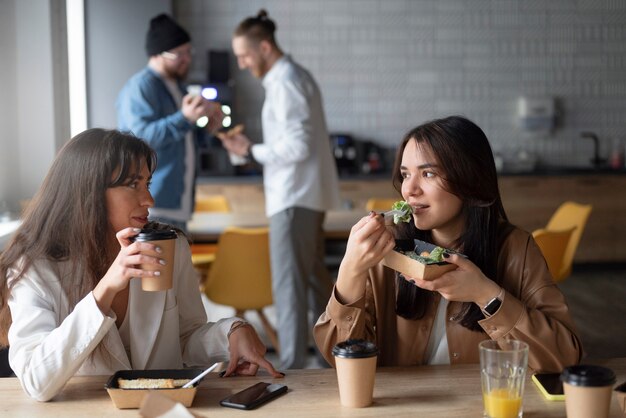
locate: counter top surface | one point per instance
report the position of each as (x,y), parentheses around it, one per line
(208,226)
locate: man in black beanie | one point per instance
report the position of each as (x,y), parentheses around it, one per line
(154,106)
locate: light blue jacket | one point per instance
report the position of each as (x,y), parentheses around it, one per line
(146,108)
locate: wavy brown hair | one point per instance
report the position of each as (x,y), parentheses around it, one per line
(67,220)
(463,152)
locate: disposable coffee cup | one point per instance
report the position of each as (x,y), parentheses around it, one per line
(356,368)
(166,240)
(587,391)
(237,159)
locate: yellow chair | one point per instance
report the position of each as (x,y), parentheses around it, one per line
(203,255)
(553,245)
(212,203)
(569,216)
(240,275)
(380,204)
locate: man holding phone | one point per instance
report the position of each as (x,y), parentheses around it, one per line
(153,105)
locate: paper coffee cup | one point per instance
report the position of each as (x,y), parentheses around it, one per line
(355,361)
(166,240)
(587,391)
(237,159)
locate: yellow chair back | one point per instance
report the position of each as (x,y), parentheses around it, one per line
(203,255)
(212,203)
(240,275)
(553,245)
(380,204)
(570,215)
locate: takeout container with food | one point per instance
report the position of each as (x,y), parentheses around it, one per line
(406,259)
(140,382)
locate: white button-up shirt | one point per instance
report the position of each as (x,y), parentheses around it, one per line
(298,166)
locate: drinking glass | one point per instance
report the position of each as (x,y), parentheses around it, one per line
(503,367)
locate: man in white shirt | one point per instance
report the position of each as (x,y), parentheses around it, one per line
(300,181)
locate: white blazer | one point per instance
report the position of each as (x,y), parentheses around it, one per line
(50,342)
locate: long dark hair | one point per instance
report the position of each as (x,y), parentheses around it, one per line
(257,28)
(463,152)
(67,219)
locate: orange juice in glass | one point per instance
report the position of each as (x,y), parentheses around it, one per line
(499,403)
(503,367)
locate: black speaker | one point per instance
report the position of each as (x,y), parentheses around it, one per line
(219,66)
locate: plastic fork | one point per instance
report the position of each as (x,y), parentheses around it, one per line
(200,376)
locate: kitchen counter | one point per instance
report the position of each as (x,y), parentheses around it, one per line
(259,179)
(538,171)
(563,171)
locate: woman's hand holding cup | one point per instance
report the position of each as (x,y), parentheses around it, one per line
(127,266)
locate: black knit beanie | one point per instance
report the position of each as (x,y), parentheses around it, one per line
(164,34)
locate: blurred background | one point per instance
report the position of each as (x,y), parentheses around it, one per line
(533,74)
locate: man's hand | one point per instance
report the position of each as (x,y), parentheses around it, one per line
(235,142)
(215,115)
(193,108)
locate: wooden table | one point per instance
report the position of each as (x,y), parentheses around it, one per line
(431,391)
(207,226)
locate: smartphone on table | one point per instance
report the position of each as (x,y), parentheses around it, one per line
(550,385)
(254,396)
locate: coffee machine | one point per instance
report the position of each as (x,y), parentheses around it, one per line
(356,157)
(345,153)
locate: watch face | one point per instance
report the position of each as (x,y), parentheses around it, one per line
(492,306)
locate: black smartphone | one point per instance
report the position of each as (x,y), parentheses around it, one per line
(550,385)
(253,396)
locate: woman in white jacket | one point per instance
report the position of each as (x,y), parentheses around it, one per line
(68,301)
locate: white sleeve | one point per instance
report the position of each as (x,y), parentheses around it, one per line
(293,137)
(46,349)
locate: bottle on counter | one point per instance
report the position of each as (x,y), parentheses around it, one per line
(616,160)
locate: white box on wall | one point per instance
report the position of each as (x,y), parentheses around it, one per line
(537,114)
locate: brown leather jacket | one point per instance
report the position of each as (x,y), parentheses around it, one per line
(533,310)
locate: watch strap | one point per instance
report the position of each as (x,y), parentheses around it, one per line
(494,304)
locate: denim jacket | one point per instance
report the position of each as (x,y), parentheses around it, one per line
(146,108)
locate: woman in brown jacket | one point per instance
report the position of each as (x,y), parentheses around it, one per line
(445,170)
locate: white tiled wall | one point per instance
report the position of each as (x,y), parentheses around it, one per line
(385,66)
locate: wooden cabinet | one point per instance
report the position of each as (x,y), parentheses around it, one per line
(355,193)
(528,200)
(246,196)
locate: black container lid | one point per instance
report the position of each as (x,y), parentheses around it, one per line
(586,375)
(355,349)
(155,235)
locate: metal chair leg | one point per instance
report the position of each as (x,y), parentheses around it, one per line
(269,330)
